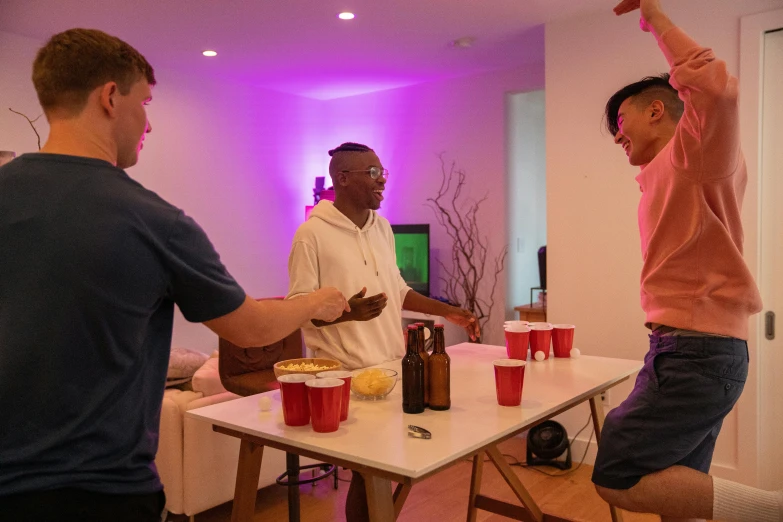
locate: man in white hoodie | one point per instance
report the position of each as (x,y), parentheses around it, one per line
(347,245)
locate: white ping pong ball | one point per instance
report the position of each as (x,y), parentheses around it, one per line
(539,356)
(575,353)
(265,403)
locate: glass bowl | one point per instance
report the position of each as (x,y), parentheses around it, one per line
(372,384)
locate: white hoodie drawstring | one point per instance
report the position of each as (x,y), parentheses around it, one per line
(361,247)
(359,237)
(374,261)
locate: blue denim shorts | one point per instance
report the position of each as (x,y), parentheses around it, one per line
(675,411)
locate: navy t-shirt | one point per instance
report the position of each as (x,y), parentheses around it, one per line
(91,265)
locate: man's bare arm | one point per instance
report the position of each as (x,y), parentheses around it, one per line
(260,323)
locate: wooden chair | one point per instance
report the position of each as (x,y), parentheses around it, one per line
(247,371)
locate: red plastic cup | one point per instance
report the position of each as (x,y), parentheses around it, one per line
(509,377)
(563,339)
(513,324)
(516,343)
(326,397)
(346,378)
(540,339)
(293,395)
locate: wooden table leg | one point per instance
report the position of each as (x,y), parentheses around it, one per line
(246,489)
(475,484)
(597,412)
(400,496)
(513,481)
(379,498)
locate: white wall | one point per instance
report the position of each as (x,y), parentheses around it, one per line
(463,118)
(231,156)
(594,255)
(228,154)
(242,161)
(16,92)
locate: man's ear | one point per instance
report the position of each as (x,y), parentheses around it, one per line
(108,97)
(341,179)
(656,110)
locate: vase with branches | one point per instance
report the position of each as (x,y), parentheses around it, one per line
(458,214)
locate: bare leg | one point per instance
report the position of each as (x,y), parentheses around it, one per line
(356,509)
(675,493)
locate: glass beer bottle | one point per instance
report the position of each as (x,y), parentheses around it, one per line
(412,375)
(440,373)
(426,358)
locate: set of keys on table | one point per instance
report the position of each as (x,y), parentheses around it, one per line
(418,433)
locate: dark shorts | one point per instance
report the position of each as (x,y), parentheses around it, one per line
(71,505)
(675,411)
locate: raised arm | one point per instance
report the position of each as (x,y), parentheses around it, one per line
(707,140)
(653,19)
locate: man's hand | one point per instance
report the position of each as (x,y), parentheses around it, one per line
(328,304)
(465,319)
(650,10)
(366,308)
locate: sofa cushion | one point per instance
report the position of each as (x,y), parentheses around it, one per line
(207,378)
(183,363)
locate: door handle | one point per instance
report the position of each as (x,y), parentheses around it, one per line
(769,325)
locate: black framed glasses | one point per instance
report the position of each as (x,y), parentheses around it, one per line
(374,172)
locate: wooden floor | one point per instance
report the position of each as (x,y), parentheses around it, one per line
(444,497)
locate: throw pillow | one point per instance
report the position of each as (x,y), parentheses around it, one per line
(183,363)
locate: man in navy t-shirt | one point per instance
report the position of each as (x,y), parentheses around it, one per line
(91,266)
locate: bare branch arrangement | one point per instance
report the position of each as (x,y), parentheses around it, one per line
(31,122)
(469,250)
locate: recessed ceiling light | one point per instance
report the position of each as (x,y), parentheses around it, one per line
(346,16)
(209,53)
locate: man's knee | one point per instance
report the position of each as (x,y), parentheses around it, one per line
(628,499)
(608,495)
(621,498)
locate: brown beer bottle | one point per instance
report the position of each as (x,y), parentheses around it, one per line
(440,373)
(412,375)
(426,358)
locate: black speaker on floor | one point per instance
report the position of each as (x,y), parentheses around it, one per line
(546,443)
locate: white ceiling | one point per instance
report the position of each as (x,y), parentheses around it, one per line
(301,47)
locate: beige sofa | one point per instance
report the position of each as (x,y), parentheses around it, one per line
(196,465)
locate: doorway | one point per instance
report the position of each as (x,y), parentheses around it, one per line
(526,195)
(771,276)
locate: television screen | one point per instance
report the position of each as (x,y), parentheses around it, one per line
(412,245)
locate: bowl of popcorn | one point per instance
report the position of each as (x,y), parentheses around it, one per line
(308,365)
(372,384)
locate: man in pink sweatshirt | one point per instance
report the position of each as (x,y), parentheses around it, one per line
(682,130)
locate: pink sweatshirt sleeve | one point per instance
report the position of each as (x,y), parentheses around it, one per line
(706,145)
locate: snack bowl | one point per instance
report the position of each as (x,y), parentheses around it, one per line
(308,365)
(372,384)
